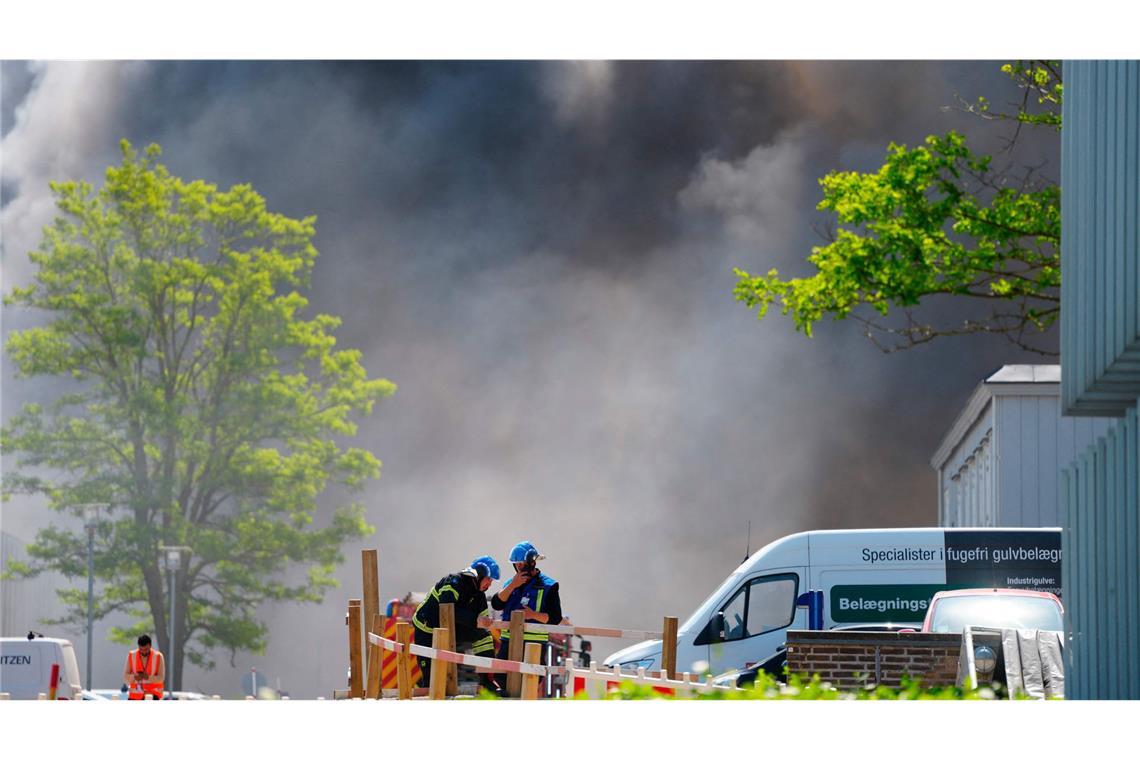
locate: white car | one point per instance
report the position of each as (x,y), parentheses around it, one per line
(96,696)
(952,611)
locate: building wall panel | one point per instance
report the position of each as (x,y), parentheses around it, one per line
(1101,570)
(1100,332)
(26,602)
(1049,423)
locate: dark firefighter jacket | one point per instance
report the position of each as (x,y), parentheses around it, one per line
(462,590)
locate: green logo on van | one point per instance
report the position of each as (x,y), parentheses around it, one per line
(897,603)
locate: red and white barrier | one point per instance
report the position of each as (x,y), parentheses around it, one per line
(485,664)
(597,682)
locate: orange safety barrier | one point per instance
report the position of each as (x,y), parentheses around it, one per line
(613,685)
(388,659)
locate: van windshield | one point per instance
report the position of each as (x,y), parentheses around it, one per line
(701,616)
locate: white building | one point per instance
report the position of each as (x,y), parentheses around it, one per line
(1000,464)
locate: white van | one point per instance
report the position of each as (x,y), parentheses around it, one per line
(866,576)
(25,668)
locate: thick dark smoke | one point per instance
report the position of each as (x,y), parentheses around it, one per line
(540,255)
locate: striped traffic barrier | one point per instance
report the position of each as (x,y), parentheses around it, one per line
(485,664)
(580,680)
(388,659)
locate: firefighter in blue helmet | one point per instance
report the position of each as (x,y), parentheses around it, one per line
(467,591)
(531,591)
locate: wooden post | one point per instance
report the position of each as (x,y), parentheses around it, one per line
(568,663)
(355,656)
(404,661)
(371,591)
(374,655)
(669,647)
(530,682)
(437,685)
(447,622)
(515,652)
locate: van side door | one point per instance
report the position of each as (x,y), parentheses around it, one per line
(751,623)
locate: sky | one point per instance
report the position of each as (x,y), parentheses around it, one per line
(540,255)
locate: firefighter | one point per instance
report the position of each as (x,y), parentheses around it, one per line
(145,671)
(531,591)
(467,591)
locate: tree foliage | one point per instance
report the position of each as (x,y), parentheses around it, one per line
(936,219)
(207,408)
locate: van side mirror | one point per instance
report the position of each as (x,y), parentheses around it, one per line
(718,625)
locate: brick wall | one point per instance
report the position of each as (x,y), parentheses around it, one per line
(848,658)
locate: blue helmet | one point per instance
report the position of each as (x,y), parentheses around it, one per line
(524,551)
(486,567)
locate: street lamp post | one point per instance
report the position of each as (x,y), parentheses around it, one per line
(91,521)
(173,563)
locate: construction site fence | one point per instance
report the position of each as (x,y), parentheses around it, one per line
(391,657)
(595,681)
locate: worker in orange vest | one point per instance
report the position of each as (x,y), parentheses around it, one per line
(145,671)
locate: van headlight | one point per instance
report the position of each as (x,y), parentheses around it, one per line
(633,665)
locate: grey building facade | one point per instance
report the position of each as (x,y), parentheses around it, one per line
(26,602)
(1100,360)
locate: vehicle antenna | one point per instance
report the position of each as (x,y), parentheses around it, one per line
(748,547)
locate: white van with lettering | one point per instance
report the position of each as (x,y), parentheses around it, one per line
(26,665)
(865,576)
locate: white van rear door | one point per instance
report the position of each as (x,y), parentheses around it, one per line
(757,615)
(24,668)
(71,684)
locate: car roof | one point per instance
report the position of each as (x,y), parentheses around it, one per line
(996,591)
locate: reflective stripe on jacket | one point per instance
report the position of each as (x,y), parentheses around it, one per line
(462,590)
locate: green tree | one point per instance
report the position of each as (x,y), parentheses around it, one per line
(206,408)
(937,219)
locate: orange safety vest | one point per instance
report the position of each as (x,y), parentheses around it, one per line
(150,667)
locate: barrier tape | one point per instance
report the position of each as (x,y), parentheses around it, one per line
(486,664)
(581,630)
(391,646)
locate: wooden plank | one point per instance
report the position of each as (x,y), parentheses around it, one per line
(368,564)
(355,655)
(437,683)
(533,654)
(515,652)
(669,647)
(404,661)
(447,622)
(374,656)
